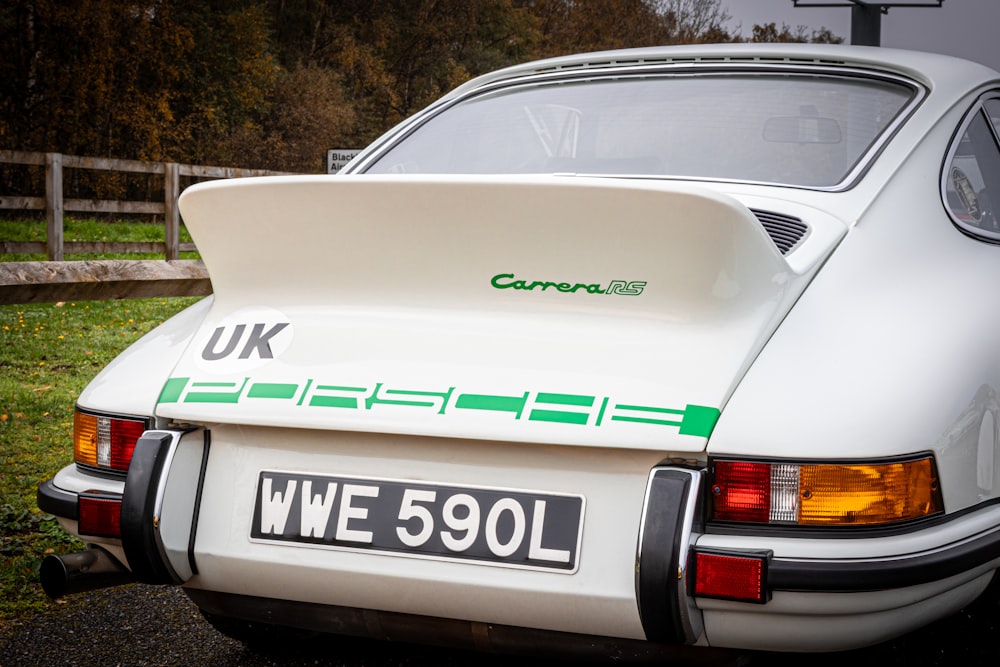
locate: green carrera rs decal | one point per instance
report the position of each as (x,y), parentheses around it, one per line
(622,287)
(573,409)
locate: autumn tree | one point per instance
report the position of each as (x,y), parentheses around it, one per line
(569,26)
(308,113)
(397,56)
(153,79)
(88,76)
(225,79)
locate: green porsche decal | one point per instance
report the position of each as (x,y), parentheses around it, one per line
(578,409)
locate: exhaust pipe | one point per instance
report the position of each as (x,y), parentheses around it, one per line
(83,571)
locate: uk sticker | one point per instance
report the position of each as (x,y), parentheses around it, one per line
(245,339)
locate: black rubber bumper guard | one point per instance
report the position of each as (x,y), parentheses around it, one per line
(668,517)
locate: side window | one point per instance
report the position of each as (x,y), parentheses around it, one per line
(972,177)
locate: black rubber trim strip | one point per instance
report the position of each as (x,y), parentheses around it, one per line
(869,575)
(656,581)
(53,500)
(848,532)
(206,447)
(138,510)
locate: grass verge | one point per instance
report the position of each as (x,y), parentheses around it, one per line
(48,353)
(82,229)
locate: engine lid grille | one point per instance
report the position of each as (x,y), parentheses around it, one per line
(785,230)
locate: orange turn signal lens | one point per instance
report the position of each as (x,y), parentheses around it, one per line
(868,494)
(85,438)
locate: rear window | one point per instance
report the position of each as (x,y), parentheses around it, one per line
(795,129)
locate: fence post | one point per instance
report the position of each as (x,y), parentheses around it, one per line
(54,206)
(171,216)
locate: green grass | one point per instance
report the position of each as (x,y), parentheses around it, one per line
(89,230)
(48,353)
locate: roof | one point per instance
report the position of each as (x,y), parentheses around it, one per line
(935,71)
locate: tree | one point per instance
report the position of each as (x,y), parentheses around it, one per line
(769,32)
(146,79)
(225,76)
(569,26)
(308,114)
(87,75)
(396,56)
(696,21)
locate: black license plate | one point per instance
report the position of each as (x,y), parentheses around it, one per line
(486,525)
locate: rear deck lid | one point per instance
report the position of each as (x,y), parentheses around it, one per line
(578,311)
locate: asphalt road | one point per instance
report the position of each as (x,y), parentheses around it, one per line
(140,625)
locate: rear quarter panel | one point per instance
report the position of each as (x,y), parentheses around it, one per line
(893,349)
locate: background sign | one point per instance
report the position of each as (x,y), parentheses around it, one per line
(336,158)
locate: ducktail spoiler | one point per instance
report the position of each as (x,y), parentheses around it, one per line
(544,308)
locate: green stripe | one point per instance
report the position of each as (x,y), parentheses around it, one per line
(305,390)
(644,408)
(699,420)
(565,399)
(334,402)
(600,413)
(215,396)
(374,399)
(558,416)
(513,404)
(644,420)
(696,420)
(172,389)
(349,402)
(272,390)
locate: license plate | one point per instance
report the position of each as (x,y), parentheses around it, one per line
(491,526)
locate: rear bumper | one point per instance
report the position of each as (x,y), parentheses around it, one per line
(930,552)
(59,502)
(881,573)
(784,574)
(632,583)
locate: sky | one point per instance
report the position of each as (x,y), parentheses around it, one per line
(964,28)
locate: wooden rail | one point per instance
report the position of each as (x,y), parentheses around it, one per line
(55,205)
(57,280)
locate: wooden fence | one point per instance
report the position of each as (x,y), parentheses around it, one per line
(57,280)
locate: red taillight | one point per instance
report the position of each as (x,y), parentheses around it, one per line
(99,516)
(742,491)
(731,576)
(124,434)
(105,441)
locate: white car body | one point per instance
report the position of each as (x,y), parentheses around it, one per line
(378,334)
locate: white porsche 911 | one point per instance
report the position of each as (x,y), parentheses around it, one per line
(634,351)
